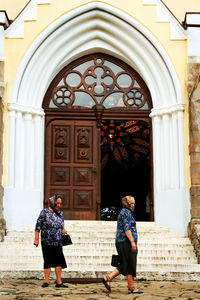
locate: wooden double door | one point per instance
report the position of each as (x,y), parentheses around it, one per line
(72,162)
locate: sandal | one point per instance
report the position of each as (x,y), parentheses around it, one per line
(61,285)
(45,284)
(105,282)
(134,291)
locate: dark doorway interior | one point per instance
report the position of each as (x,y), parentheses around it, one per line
(125,162)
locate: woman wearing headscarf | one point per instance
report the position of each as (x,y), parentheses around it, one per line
(51,224)
(126,245)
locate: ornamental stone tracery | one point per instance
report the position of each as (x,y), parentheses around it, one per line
(99,80)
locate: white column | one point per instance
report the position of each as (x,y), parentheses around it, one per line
(166,150)
(11,146)
(23,197)
(156,153)
(175,151)
(19,151)
(38,153)
(181,147)
(28,151)
(42,137)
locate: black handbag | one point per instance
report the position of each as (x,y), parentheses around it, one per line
(66,240)
(115,260)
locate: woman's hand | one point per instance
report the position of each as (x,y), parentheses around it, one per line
(133,247)
(130,237)
(64,231)
(36,242)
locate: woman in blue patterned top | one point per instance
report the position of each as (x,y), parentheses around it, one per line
(126,245)
(51,224)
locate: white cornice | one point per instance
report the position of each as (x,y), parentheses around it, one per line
(25,109)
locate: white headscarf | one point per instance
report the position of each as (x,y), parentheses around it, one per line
(52,201)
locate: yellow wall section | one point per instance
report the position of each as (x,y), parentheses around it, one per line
(177,7)
(47,14)
(13,7)
(180,7)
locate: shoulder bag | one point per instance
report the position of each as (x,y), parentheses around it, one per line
(66,240)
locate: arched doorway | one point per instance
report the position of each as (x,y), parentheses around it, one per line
(96,122)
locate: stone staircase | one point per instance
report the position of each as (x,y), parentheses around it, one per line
(162,254)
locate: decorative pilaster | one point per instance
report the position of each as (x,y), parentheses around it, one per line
(181,150)
(166,149)
(171,198)
(38,151)
(19,151)
(28,151)
(175,152)
(168,145)
(23,196)
(156,153)
(25,147)
(11,160)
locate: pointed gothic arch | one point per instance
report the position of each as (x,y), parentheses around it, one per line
(75,34)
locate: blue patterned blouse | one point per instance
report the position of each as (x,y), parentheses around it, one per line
(50,224)
(125,221)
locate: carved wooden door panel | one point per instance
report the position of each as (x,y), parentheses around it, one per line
(72,167)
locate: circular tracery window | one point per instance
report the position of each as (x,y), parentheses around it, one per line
(98,79)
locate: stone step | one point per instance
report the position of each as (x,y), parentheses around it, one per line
(107,226)
(161,252)
(94,238)
(105,267)
(101,246)
(69,251)
(107,246)
(93,234)
(86,259)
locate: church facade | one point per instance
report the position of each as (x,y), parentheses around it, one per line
(100,99)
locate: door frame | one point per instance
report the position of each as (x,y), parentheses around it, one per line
(90,115)
(98,111)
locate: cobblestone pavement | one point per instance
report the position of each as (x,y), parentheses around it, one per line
(30,289)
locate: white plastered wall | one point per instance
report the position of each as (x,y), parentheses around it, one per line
(88,29)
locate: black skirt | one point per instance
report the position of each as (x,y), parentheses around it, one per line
(127,258)
(53,256)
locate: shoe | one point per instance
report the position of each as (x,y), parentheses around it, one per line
(134,291)
(105,282)
(45,284)
(61,285)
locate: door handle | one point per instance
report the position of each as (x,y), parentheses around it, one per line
(95,173)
